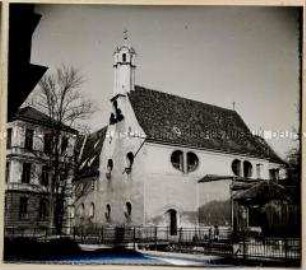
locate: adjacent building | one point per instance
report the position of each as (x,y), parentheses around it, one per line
(28,173)
(22,74)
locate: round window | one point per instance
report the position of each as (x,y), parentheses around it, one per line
(236,167)
(177,160)
(192,161)
(247,169)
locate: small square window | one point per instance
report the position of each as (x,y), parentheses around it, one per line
(9,138)
(28,145)
(64,144)
(48,143)
(45,176)
(26,173)
(23,207)
(43,210)
(258,170)
(7,171)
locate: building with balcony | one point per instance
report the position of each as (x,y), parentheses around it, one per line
(28,172)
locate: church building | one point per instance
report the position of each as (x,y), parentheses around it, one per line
(162,158)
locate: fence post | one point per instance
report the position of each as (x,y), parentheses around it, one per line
(134,238)
(286,247)
(155,238)
(244,246)
(232,244)
(74,233)
(167,234)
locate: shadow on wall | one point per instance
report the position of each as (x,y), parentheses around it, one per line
(216,213)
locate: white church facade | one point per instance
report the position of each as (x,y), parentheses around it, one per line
(162,157)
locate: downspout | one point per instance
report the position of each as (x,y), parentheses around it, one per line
(139,148)
(82,147)
(144,186)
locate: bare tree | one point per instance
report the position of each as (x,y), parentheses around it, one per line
(60,98)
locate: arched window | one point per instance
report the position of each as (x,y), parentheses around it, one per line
(108,212)
(81,211)
(110,165)
(72,211)
(124,57)
(128,211)
(236,167)
(177,160)
(91,210)
(192,161)
(247,169)
(129,161)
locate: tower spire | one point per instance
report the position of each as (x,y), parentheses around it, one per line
(124,66)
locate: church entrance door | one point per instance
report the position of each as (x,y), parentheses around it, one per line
(173,221)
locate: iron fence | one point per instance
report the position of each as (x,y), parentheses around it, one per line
(190,240)
(271,248)
(148,234)
(43,233)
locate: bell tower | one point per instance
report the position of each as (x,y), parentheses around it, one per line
(124,67)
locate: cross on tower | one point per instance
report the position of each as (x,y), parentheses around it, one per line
(125,34)
(234,105)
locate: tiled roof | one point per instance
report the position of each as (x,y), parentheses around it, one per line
(32,115)
(170,119)
(174,120)
(262,192)
(90,149)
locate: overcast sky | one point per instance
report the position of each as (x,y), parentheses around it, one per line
(217,55)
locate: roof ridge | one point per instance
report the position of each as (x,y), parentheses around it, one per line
(97,131)
(32,108)
(21,114)
(29,108)
(189,99)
